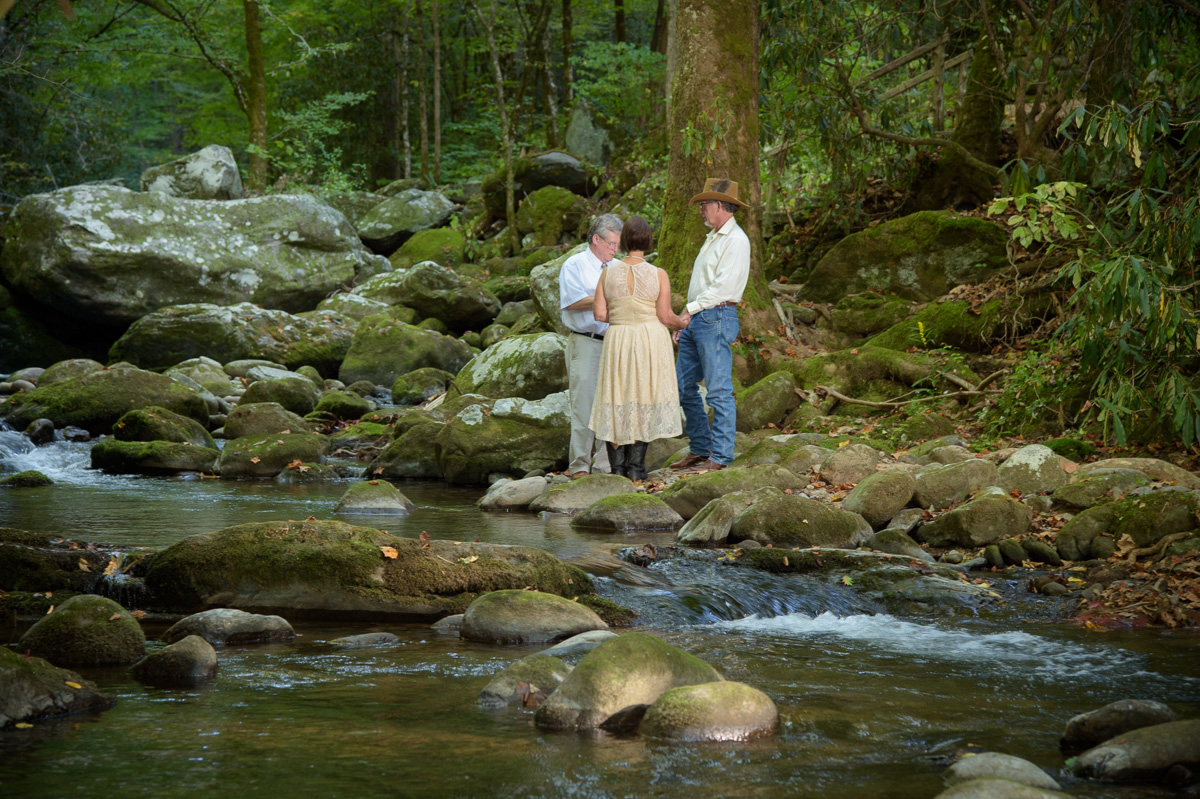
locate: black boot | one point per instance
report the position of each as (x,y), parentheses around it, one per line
(617,458)
(637,460)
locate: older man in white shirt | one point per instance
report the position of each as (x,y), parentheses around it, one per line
(576,294)
(719,277)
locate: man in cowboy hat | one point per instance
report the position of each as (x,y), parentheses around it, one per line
(705,346)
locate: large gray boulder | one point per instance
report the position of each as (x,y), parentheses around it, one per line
(617,681)
(940,486)
(917,257)
(715,711)
(108,255)
(689,494)
(1032,469)
(530,366)
(392,222)
(1147,754)
(374,497)
(233,333)
(526,617)
(881,496)
(188,661)
(209,174)
(513,437)
(86,630)
(530,174)
(32,689)
(984,520)
(1153,468)
(1089,729)
(384,348)
(436,292)
(543,291)
(221,626)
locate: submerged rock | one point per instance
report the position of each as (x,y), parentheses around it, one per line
(374,496)
(188,661)
(1088,729)
(221,626)
(522,617)
(526,683)
(994,765)
(86,630)
(715,711)
(1167,752)
(33,689)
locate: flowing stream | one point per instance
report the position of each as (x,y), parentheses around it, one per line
(871,705)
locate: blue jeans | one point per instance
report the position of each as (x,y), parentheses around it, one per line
(705,354)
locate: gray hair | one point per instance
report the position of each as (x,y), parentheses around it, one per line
(605,223)
(730,207)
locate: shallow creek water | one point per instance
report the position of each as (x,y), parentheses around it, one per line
(871,705)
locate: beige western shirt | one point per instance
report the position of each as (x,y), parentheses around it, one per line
(721,269)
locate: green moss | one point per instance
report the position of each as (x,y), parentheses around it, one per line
(613,614)
(341,406)
(26,479)
(160,424)
(151,457)
(863,314)
(86,631)
(296,394)
(1071,448)
(444,246)
(550,213)
(266,456)
(955,324)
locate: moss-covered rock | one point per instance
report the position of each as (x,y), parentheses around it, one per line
(98,400)
(715,711)
(209,373)
(32,689)
(1097,726)
(159,424)
(221,626)
(579,495)
(1099,487)
(261,419)
(792,452)
(27,479)
(865,372)
(923,427)
(444,246)
(710,527)
(267,456)
(296,394)
(1073,449)
(420,385)
(343,406)
(189,661)
(334,570)
(551,214)
(412,455)
(1032,469)
(881,496)
(1154,468)
(526,617)
(983,520)
(849,464)
(374,497)
(689,494)
(152,457)
(918,257)
(538,673)
(514,437)
(436,292)
(543,291)
(897,542)
(625,513)
(766,402)
(69,370)
(789,520)
(940,486)
(614,683)
(863,314)
(384,349)
(532,367)
(613,614)
(32,561)
(1147,754)
(392,222)
(86,630)
(553,168)
(952,323)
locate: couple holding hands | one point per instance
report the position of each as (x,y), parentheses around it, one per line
(626,387)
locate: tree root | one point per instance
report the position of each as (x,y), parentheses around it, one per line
(1158,548)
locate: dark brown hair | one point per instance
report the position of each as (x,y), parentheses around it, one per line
(636,235)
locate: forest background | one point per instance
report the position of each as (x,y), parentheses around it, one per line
(1082,117)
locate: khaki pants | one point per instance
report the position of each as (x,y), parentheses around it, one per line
(583,366)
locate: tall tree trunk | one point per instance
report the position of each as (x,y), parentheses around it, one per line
(393,49)
(619,21)
(658,39)
(506,134)
(567,46)
(550,91)
(716,75)
(1110,75)
(422,94)
(405,137)
(437,96)
(256,97)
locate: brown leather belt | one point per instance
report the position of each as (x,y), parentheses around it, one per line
(723,304)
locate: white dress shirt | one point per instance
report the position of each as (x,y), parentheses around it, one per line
(578,278)
(721,269)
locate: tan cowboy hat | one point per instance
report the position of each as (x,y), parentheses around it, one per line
(719,189)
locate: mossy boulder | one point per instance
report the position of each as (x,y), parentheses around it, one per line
(553,168)
(412,455)
(1032,469)
(787,520)
(551,214)
(984,520)
(514,437)
(923,427)
(436,292)
(261,419)
(917,257)
(296,394)
(897,542)
(1099,487)
(715,711)
(33,689)
(543,291)
(1072,449)
(617,681)
(226,333)
(222,626)
(940,486)
(358,307)
(532,367)
(343,406)
(1074,539)
(374,497)
(160,424)
(865,372)
(444,246)
(353,204)
(207,174)
(328,569)
(69,369)
(31,561)
(1153,468)
(766,402)
(526,617)
(27,479)
(395,220)
(1097,726)
(152,457)
(792,452)
(881,496)
(420,385)
(710,527)
(1150,517)
(1147,754)
(96,401)
(849,464)
(86,630)
(384,348)
(210,374)
(579,495)
(538,672)
(626,513)
(863,314)
(689,494)
(189,661)
(946,323)
(267,456)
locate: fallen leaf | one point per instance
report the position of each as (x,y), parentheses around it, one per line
(74,685)
(111,568)
(138,614)
(389,552)
(51,610)
(847,580)
(83,566)
(21,725)
(469,559)
(255,459)
(115,617)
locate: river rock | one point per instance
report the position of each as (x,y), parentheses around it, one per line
(1153,468)
(627,513)
(159,424)
(365,640)
(1116,718)
(1074,539)
(392,222)
(543,291)
(715,711)
(766,402)
(1150,517)
(267,456)
(954,250)
(789,451)
(108,255)
(205,371)
(524,617)
(552,215)
(553,168)
(532,366)
(1147,754)
(374,497)
(617,681)
(436,293)
(31,561)
(1032,469)
(69,370)
(262,419)
(235,332)
(30,478)
(295,393)
(1098,487)
(710,527)
(221,626)
(796,521)
(444,246)
(513,494)
(579,644)
(114,456)
(689,494)
(897,542)
(880,496)
(342,406)
(33,689)
(994,765)
(209,174)
(849,464)
(188,661)
(412,455)
(86,630)
(950,454)
(523,681)
(98,400)
(984,520)
(993,788)
(940,487)
(420,385)
(579,495)
(330,569)
(514,437)
(384,348)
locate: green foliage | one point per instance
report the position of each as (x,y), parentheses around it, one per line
(300,150)
(622,83)
(1045,215)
